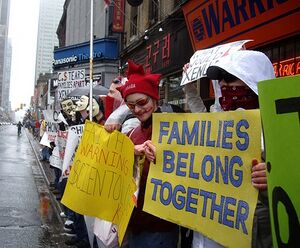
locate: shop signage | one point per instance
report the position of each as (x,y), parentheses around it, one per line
(81,57)
(215,22)
(106,48)
(118,16)
(68,81)
(289,67)
(158,53)
(67,60)
(71,79)
(164,52)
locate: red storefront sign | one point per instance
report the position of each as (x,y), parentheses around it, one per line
(158,53)
(289,67)
(118,16)
(214,22)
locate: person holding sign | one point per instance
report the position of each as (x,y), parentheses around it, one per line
(69,115)
(82,106)
(68,111)
(71,118)
(119,116)
(238,74)
(141,94)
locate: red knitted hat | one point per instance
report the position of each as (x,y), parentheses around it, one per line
(140,82)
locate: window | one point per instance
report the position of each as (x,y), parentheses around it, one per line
(133,21)
(285,56)
(282,50)
(153,11)
(177,2)
(175,94)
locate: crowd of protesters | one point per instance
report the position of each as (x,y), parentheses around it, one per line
(128,107)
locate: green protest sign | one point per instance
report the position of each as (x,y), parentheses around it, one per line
(280,112)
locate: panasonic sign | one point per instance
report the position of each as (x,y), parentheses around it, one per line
(61,61)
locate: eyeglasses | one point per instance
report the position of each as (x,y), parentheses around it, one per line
(140,103)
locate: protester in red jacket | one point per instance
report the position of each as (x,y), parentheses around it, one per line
(141,94)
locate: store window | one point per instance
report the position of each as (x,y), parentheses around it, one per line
(171,91)
(297,48)
(275,54)
(285,56)
(287,50)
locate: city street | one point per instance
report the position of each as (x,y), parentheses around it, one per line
(29,214)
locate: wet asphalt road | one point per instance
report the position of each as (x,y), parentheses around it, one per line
(29,216)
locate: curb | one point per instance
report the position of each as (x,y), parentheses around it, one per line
(55,203)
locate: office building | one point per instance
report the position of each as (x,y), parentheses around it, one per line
(4,22)
(49,15)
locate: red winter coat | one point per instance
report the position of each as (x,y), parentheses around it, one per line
(141,221)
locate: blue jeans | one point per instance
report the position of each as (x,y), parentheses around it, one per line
(57,173)
(70,213)
(46,153)
(80,227)
(154,240)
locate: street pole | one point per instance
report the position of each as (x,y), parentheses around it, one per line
(48,95)
(91,61)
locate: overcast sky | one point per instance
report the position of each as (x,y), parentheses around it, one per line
(23,33)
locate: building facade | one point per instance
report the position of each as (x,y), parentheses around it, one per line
(5,50)
(272,26)
(157,37)
(50,13)
(163,35)
(6,104)
(73,54)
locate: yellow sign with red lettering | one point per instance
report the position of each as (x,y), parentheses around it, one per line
(101,183)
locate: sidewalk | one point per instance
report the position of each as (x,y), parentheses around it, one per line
(48,173)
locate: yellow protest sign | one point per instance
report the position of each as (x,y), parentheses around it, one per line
(202,176)
(100,183)
(279,100)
